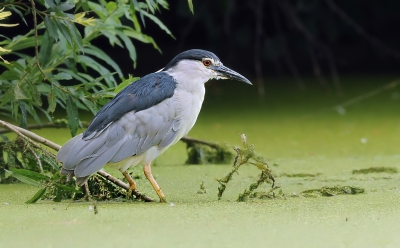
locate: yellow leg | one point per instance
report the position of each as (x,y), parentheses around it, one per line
(133,188)
(132,183)
(149,176)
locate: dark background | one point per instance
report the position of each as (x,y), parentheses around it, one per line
(367,41)
(265,39)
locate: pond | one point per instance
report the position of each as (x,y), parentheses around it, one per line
(307,144)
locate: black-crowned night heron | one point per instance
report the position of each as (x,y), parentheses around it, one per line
(145,119)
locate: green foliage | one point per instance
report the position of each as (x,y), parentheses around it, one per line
(67,70)
(20,155)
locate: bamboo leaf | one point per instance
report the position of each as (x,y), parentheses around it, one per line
(37,196)
(72,116)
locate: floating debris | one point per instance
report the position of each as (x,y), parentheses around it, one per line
(332,191)
(300,175)
(391,170)
(202,189)
(201,152)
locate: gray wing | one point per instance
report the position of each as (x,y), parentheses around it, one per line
(133,134)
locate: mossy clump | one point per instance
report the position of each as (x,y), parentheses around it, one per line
(102,189)
(247,155)
(332,191)
(391,170)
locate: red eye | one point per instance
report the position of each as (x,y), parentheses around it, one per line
(206,62)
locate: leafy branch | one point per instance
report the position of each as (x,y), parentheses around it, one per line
(67,70)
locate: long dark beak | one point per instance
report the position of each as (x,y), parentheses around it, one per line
(225,72)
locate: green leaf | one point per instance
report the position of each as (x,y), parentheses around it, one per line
(129,45)
(37,196)
(19,93)
(158,22)
(151,5)
(141,37)
(7,97)
(90,105)
(58,194)
(125,83)
(76,36)
(68,188)
(34,92)
(89,62)
(45,50)
(51,27)
(72,116)
(64,7)
(92,50)
(21,42)
(27,176)
(62,76)
(51,3)
(52,100)
(190,3)
(23,114)
(65,32)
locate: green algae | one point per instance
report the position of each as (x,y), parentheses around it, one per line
(326,143)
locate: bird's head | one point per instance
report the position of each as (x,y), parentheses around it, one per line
(201,66)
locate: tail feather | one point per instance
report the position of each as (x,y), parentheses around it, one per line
(66,148)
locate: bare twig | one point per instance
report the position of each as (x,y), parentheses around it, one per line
(190,141)
(57,147)
(25,134)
